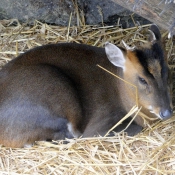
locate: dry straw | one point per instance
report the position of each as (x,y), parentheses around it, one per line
(121,79)
(148,153)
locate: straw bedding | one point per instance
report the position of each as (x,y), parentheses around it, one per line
(150,152)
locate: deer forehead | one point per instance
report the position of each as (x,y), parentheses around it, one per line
(149,62)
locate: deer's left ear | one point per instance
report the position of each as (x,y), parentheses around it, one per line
(115,55)
(154,33)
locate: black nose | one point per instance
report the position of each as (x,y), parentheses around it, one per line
(165,114)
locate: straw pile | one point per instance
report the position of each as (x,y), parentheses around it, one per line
(150,152)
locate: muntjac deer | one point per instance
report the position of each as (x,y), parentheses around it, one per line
(57,91)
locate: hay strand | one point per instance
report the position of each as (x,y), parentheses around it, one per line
(136,90)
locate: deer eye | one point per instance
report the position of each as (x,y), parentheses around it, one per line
(142,81)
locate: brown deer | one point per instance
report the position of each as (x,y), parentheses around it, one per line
(57,91)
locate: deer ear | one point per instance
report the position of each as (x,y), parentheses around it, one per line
(115,55)
(154,33)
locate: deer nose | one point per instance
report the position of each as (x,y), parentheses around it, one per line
(165,114)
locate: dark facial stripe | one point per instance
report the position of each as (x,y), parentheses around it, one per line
(147,56)
(143,59)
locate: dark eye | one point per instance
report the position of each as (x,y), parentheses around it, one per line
(142,81)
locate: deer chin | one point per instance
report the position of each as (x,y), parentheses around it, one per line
(163,113)
(155,111)
(156,114)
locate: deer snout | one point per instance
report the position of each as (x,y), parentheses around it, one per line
(166,113)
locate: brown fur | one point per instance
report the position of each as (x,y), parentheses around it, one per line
(57,91)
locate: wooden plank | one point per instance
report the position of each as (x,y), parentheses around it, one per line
(160,12)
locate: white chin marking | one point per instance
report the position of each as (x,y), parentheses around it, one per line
(28,145)
(156,114)
(75,134)
(150,108)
